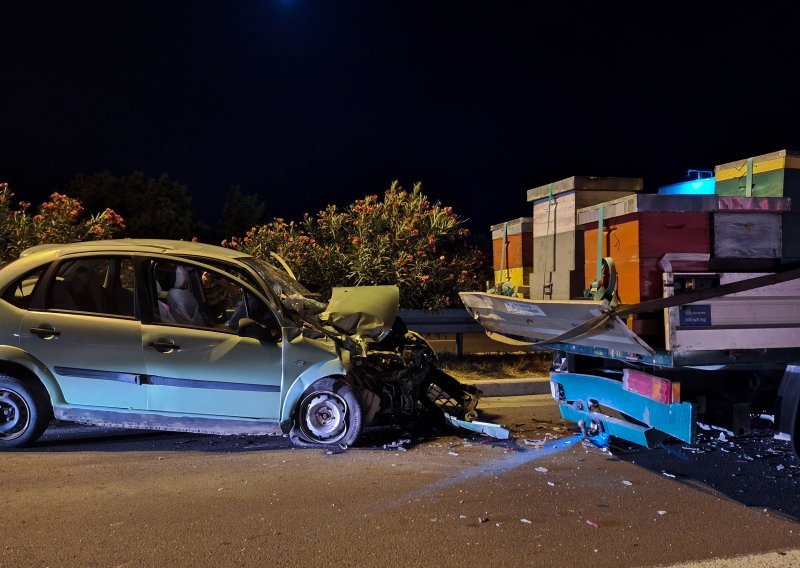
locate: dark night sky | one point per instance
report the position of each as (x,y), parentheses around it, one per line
(314,102)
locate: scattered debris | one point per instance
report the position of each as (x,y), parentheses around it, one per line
(662,512)
(493,430)
(626,482)
(397,445)
(551,484)
(452,453)
(708,427)
(462,516)
(482,520)
(590,522)
(525,521)
(541,469)
(666,473)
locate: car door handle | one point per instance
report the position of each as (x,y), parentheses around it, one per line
(45,332)
(164,346)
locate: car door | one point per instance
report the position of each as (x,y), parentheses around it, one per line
(83,327)
(205,367)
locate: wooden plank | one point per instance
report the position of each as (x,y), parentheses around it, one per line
(586,183)
(587,199)
(518,251)
(652,202)
(515,226)
(563,251)
(566,285)
(556,217)
(747,235)
(517,276)
(662,233)
(771,160)
(621,243)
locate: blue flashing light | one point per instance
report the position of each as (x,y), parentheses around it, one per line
(703,186)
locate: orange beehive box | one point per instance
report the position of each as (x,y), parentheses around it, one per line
(637,232)
(512,250)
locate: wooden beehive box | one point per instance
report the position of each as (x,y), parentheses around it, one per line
(776,174)
(558,258)
(638,231)
(512,250)
(748,229)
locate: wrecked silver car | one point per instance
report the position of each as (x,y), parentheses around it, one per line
(182,336)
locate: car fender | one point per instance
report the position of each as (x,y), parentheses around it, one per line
(308,377)
(19,357)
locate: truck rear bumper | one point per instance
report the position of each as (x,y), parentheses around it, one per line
(604,408)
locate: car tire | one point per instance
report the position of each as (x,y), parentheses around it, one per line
(24,412)
(329,412)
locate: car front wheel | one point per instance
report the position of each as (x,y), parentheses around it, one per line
(24,413)
(329,413)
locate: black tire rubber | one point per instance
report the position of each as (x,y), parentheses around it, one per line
(24,412)
(326,396)
(795,434)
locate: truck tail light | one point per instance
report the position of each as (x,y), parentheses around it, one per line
(656,388)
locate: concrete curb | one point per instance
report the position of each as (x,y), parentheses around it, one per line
(513,387)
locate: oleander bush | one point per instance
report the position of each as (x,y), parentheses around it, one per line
(401,238)
(60,219)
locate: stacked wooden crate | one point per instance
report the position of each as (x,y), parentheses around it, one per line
(558,257)
(734,233)
(638,231)
(512,251)
(776,174)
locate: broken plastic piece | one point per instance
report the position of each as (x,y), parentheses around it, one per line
(397,445)
(718,428)
(493,430)
(541,469)
(590,522)
(525,521)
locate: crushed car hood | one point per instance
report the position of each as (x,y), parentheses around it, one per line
(367,311)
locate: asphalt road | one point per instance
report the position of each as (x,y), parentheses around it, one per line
(89,497)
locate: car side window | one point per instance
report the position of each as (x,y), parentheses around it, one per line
(188,295)
(101,285)
(21,291)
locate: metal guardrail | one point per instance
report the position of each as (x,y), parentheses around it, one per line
(456,321)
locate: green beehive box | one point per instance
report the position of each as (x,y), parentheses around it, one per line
(776,174)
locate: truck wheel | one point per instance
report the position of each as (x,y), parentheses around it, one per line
(329,413)
(24,413)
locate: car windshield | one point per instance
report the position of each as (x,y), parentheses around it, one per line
(281,283)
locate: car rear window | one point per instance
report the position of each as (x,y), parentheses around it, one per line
(21,291)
